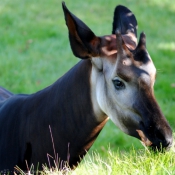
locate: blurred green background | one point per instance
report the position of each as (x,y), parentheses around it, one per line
(35,50)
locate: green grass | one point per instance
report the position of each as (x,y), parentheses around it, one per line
(35,51)
(132,162)
(129,163)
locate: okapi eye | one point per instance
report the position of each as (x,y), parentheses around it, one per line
(118,84)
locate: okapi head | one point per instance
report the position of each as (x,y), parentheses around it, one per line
(122,77)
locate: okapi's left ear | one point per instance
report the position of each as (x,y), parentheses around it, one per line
(83,41)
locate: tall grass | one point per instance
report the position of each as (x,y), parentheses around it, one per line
(134,162)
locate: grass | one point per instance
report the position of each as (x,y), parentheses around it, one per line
(132,162)
(35,51)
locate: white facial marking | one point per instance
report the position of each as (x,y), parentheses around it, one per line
(96,80)
(151,72)
(106,100)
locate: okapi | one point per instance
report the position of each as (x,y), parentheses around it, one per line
(114,80)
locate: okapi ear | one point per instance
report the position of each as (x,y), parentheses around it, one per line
(125,21)
(83,41)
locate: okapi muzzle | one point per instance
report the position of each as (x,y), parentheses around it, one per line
(153,124)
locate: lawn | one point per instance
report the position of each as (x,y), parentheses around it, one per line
(35,52)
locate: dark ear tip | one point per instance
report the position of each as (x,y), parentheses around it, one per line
(64,5)
(65,9)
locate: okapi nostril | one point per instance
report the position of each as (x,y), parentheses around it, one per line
(165,140)
(160,135)
(168,142)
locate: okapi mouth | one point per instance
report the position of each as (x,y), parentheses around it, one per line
(157,146)
(145,141)
(160,147)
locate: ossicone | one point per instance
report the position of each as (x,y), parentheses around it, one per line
(120,44)
(142,42)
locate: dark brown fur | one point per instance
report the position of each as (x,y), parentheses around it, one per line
(26,119)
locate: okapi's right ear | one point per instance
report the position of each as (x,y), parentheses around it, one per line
(83,41)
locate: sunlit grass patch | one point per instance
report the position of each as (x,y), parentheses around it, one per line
(130,162)
(134,162)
